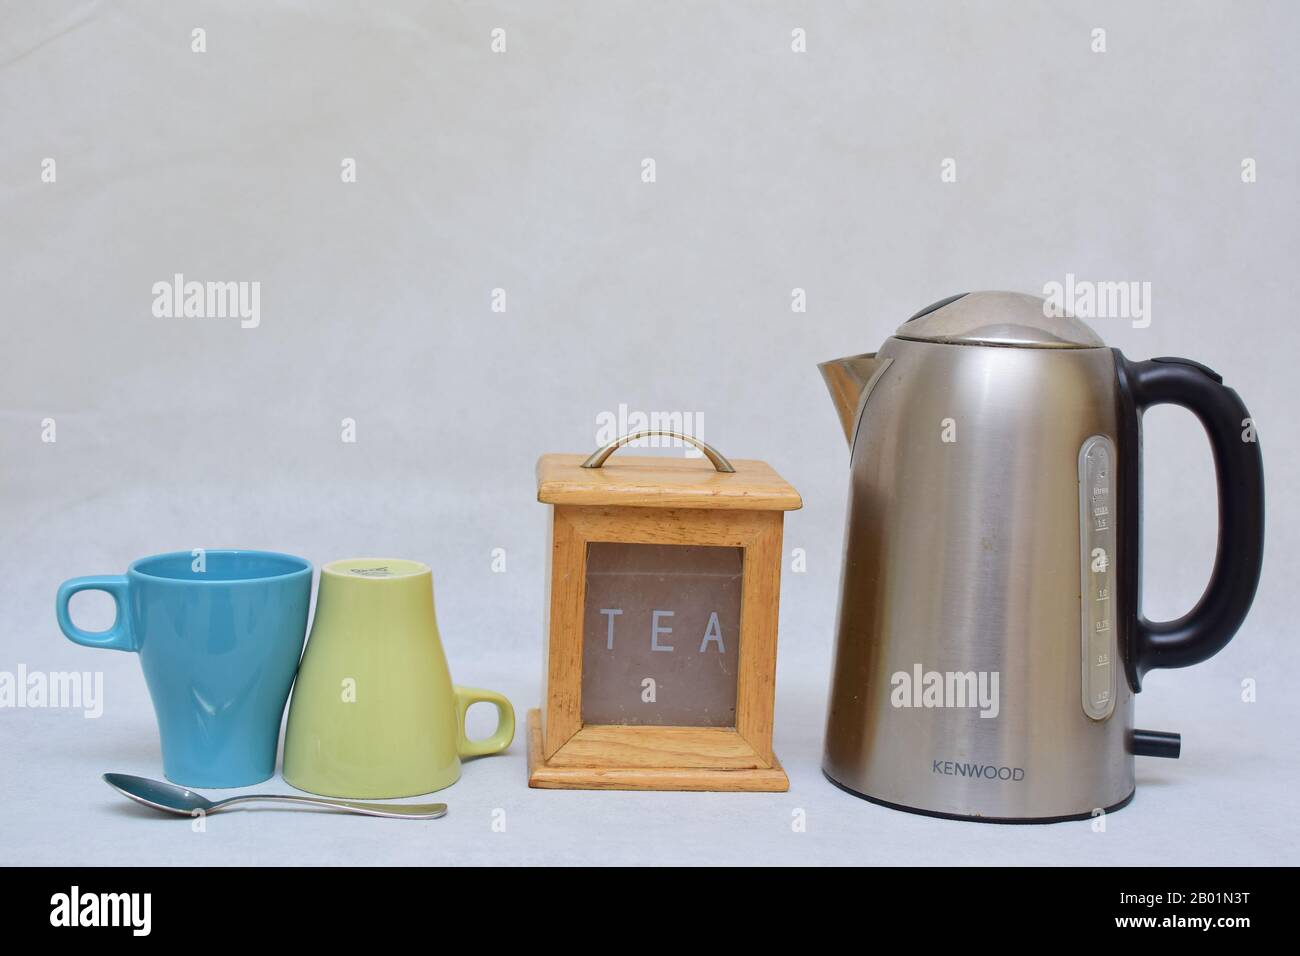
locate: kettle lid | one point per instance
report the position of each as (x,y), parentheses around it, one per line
(998,318)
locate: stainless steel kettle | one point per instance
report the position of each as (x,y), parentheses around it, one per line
(990,635)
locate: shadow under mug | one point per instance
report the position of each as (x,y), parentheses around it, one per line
(219,634)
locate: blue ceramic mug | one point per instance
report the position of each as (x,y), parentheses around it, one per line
(219,634)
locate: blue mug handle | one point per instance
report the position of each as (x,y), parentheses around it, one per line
(116,638)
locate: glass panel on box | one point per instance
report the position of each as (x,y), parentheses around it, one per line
(661,634)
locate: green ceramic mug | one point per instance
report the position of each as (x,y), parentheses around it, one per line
(374,713)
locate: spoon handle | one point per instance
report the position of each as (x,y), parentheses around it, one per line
(406,811)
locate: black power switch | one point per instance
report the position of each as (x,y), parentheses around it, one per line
(1156,743)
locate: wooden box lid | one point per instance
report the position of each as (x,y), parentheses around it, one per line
(648,481)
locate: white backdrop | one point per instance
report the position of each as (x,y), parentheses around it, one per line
(522,170)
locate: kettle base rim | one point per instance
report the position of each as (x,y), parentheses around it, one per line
(975,818)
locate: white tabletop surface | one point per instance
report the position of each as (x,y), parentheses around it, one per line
(1229,800)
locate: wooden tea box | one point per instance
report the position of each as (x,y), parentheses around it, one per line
(663,585)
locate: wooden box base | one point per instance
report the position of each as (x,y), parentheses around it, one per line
(542,776)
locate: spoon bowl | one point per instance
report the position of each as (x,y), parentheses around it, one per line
(161,796)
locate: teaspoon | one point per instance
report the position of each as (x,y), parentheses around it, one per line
(173,799)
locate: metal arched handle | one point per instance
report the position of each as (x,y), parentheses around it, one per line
(715,457)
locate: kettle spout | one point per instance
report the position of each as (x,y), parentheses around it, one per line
(848,379)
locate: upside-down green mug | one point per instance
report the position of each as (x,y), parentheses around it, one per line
(374,713)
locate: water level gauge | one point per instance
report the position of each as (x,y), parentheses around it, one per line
(1097,572)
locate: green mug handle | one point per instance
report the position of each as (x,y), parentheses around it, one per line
(505,732)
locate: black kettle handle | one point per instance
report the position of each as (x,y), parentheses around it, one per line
(1205,629)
